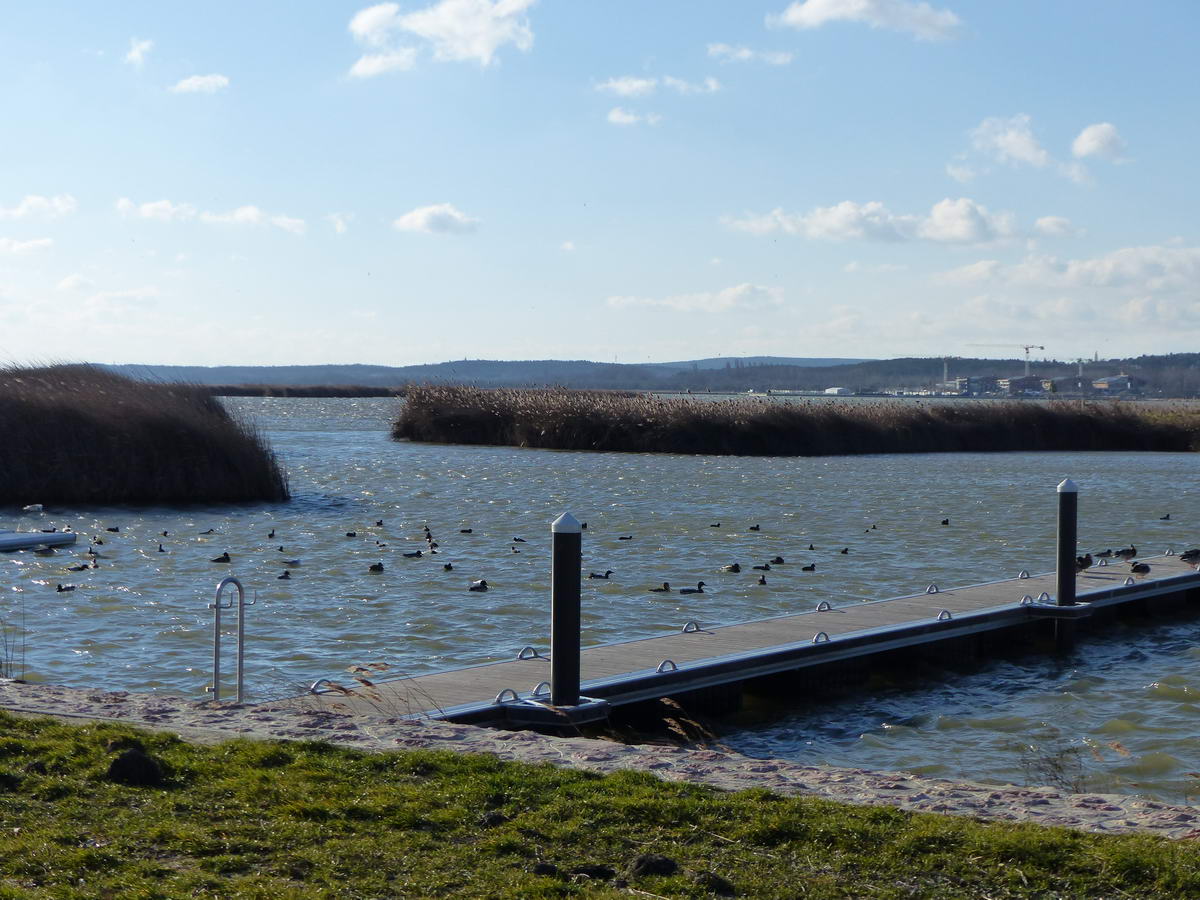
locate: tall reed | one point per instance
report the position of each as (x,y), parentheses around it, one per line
(596,420)
(78,434)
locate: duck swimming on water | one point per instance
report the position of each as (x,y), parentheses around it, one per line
(375,567)
(698,589)
(223,558)
(665,589)
(605,576)
(479,585)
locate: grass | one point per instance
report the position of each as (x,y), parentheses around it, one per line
(595,420)
(81,435)
(263,819)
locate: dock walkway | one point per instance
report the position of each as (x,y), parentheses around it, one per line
(704,657)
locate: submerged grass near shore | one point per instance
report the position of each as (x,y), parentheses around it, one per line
(77,434)
(307,819)
(596,420)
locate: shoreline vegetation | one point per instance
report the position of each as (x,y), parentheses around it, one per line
(104,809)
(562,419)
(301,390)
(78,434)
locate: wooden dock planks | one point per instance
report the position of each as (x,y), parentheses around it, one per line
(478,686)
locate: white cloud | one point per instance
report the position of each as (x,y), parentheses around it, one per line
(567,246)
(440,218)
(73,282)
(159,210)
(1010,141)
(708,86)
(457,30)
(629,86)
(253,215)
(727,53)
(200,84)
(339,221)
(1101,139)
(1055,226)
(1140,270)
(371,64)
(960,172)
(137,52)
(918,19)
(374,25)
(852,268)
(620,116)
(35,205)
(949,221)
(738,298)
(21,248)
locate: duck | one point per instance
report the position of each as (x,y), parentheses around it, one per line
(166,533)
(698,589)
(519,541)
(466,530)
(271,535)
(63,588)
(945,521)
(514,549)
(844,550)
(1126,553)
(82,567)
(1139,568)
(479,585)
(113,528)
(765,567)
(1083,562)
(762,579)
(732,567)
(756,528)
(811,547)
(665,589)
(811,567)
(777,561)
(448,567)
(375,567)
(605,576)
(291,563)
(286,576)
(416,554)
(351,534)
(210,531)
(1189,555)
(160,548)
(379,523)
(1105,554)
(1166,518)
(715,525)
(625,537)
(223,558)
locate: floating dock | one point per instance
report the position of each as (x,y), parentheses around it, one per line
(711,664)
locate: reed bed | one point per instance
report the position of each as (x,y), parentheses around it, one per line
(78,434)
(563,419)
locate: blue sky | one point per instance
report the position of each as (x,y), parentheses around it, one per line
(279,183)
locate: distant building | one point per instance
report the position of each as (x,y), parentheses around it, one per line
(974,385)
(1020,384)
(1118,384)
(838,391)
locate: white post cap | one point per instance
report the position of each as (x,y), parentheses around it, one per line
(566,524)
(1067,486)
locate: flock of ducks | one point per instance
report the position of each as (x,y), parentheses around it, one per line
(1082,563)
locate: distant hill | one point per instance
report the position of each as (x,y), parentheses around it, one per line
(488,373)
(1172,375)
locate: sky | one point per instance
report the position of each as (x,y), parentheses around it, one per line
(278,183)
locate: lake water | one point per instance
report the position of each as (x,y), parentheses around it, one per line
(1122,711)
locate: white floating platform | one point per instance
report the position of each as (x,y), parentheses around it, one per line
(26,540)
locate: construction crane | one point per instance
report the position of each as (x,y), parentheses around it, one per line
(1025,347)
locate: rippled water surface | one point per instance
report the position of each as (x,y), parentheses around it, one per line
(1121,714)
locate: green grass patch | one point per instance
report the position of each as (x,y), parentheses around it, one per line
(259,819)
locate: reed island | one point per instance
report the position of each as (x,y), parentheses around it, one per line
(562,419)
(81,435)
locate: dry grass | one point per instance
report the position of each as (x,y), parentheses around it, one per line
(596,420)
(78,434)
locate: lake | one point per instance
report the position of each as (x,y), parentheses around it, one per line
(1121,710)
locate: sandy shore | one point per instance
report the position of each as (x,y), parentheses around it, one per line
(210,723)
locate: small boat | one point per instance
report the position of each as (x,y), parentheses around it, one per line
(27,540)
